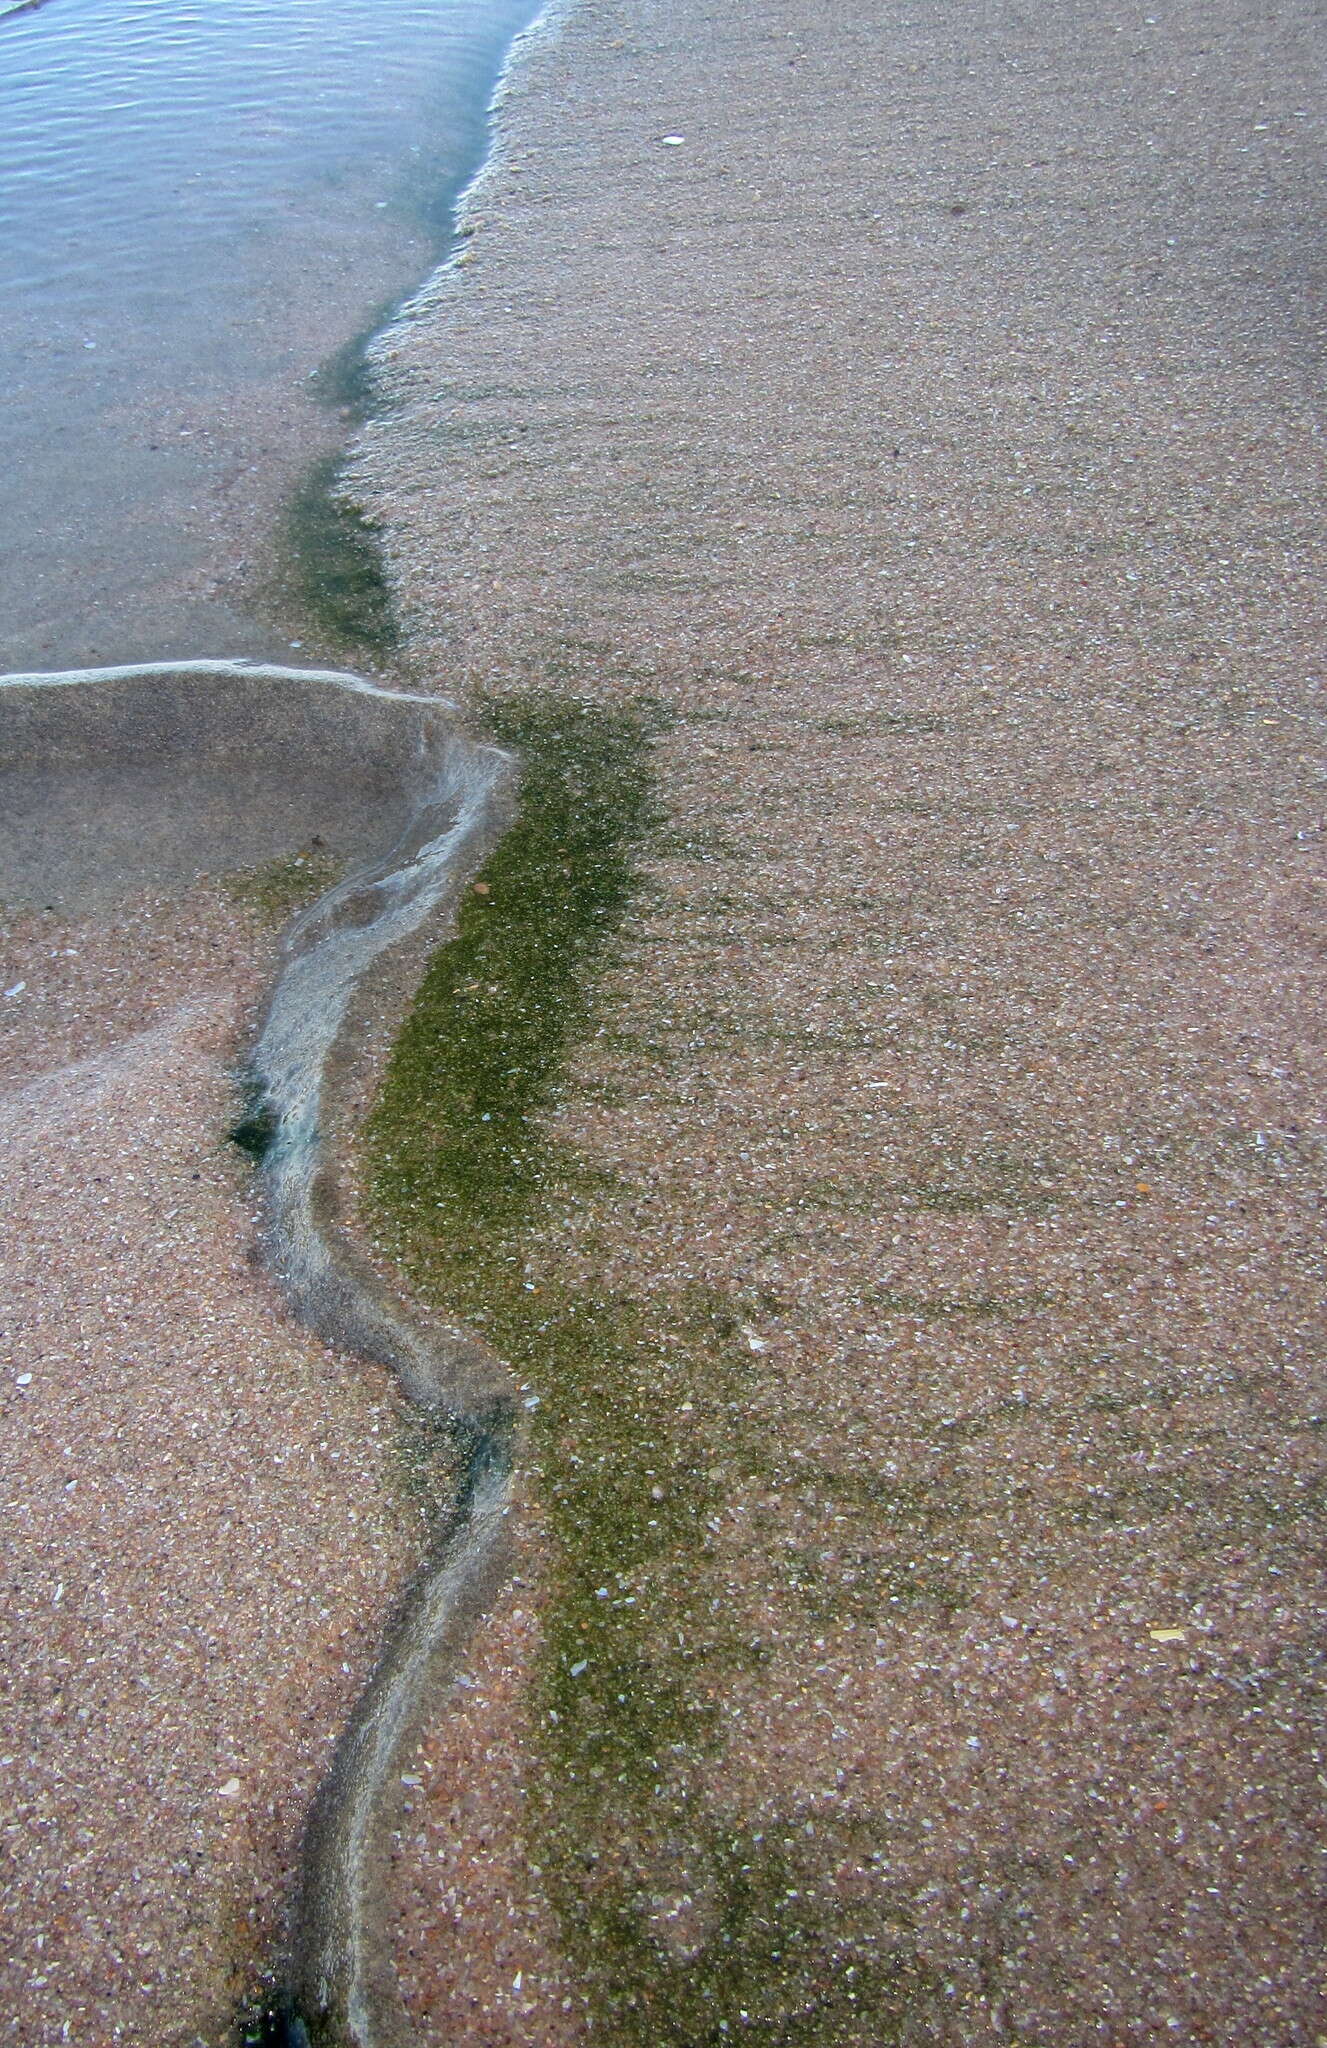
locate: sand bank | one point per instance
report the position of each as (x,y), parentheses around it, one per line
(924,407)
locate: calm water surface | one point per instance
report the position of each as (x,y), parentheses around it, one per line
(200,201)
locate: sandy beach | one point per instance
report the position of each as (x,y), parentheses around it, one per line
(205,1510)
(915,416)
(924,408)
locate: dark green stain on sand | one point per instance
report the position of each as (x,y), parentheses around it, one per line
(685,1926)
(333,563)
(457,1142)
(254,1131)
(269,2020)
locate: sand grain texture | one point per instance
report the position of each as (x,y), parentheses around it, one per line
(936,430)
(204,1514)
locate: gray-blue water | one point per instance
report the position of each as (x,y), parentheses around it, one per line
(200,201)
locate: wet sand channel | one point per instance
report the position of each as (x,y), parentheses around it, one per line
(215,1523)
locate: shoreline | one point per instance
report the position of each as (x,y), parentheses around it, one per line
(884,1185)
(208,440)
(153,925)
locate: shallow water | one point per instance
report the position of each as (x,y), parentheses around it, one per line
(200,201)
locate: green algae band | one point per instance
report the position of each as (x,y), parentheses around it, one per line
(335,564)
(455,1131)
(468,1185)
(467,1181)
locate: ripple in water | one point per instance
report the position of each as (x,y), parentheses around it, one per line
(199,201)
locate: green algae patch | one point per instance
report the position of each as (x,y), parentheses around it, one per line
(685,1923)
(334,563)
(455,1139)
(254,1130)
(277,889)
(344,380)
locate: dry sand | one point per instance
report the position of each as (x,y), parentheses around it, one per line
(925,404)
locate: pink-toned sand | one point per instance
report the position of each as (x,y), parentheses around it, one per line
(204,1513)
(935,428)
(925,405)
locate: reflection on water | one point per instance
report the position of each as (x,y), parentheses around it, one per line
(199,201)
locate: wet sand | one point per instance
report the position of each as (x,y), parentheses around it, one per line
(925,408)
(213,1514)
(931,429)
(205,1510)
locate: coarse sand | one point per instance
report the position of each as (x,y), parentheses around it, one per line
(924,406)
(204,1514)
